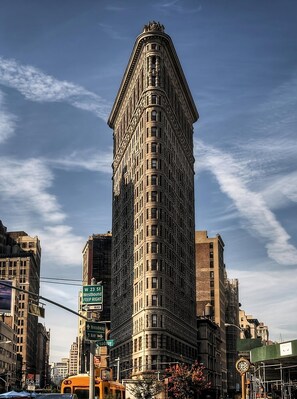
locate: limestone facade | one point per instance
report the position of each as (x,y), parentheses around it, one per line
(153,261)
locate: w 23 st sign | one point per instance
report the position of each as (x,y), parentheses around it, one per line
(92,294)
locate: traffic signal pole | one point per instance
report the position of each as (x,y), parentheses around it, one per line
(92,366)
(37,296)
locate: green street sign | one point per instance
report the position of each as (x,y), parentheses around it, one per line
(92,294)
(95,331)
(108,342)
(101,343)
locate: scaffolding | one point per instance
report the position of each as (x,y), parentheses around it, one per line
(274,374)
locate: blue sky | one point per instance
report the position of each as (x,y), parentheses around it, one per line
(61,64)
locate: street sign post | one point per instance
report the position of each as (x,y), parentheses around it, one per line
(92,294)
(95,331)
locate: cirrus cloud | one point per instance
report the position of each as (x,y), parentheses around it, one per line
(37,86)
(232,177)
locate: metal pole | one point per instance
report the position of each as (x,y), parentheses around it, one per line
(118,368)
(92,374)
(264,377)
(37,296)
(92,371)
(243,390)
(5,383)
(282,383)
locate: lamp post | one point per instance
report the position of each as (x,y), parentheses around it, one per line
(242,365)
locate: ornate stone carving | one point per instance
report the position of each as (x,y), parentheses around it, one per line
(153,26)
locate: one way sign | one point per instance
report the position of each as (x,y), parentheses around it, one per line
(95,331)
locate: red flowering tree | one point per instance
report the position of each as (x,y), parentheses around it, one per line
(185,381)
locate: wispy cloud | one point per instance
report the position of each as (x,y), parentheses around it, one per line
(112,32)
(278,191)
(266,304)
(27,183)
(114,8)
(178,6)
(278,113)
(270,167)
(232,178)
(66,246)
(25,186)
(7,121)
(37,86)
(84,159)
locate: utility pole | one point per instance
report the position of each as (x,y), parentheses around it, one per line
(92,368)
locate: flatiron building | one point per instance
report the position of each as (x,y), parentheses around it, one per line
(153,245)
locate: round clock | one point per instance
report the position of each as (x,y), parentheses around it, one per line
(242,365)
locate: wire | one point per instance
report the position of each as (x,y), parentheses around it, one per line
(56,282)
(55,278)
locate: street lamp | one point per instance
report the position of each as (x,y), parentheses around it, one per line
(242,365)
(233,325)
(242,330)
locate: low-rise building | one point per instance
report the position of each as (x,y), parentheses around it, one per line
(209,352)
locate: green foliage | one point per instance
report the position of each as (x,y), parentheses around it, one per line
(145,387)
(187,381)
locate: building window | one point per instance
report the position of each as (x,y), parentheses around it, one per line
(154,282)
(154,230)
(154,180)
(154,247)
(154,340)
(154,320)
(154,196)
(154,115)
(154,213)
(154,163)
(154,300)
(153,131)
(154,362)
(154,264)
(154,147)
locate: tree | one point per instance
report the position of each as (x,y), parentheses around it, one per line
(187,381)
(145,387)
